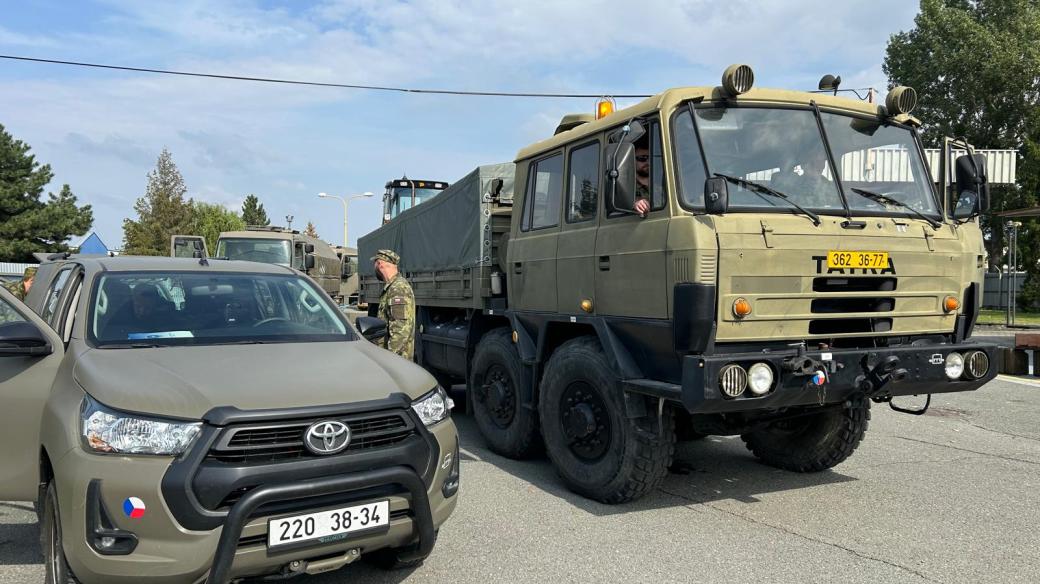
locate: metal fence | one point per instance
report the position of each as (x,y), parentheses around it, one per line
(995,288)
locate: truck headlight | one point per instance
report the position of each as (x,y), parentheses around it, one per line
(433,407)
(106,430)
(954,365)
(760,378)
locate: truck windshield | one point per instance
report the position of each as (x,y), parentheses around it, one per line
(783,149)
(268,251)
(401,199)
(144,309)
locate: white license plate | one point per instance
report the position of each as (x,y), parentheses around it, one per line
(327,526)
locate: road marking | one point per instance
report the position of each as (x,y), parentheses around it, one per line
(1018,380)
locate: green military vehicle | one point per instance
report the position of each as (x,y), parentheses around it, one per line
(273,245)
(404,193)
(348,285)
(191,420)
(710,261)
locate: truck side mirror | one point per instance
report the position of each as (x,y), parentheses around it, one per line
(371,328)
(348,269)
(972,186)
(621,178)
(308,248)
(308,261)
(716,196)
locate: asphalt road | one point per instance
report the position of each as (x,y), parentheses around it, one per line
(952,496)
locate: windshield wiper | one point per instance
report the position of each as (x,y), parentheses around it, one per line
(884,200)
(764,190)
(132,346)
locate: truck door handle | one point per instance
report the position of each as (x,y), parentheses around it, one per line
(518,268)
(604,263)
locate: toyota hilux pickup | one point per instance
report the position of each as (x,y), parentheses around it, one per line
(192,420)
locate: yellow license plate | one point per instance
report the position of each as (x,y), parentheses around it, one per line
(857,259)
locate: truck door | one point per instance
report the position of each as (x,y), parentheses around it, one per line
(575,268)
(630,251)
(532,255)
(30,353)
(187,246)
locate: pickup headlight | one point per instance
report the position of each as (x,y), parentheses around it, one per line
(106,430)
(434,406)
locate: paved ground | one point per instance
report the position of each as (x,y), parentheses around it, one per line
(953,496)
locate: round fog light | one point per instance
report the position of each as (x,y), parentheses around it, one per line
(760,378)
(732,380)
(976,364)
(954,365)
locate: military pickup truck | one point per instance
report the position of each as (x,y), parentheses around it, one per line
(710,261)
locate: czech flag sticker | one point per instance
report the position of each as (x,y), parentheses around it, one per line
(819,378)
(134,508)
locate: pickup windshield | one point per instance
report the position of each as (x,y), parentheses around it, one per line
(268,251)
(187,308)
(784,150)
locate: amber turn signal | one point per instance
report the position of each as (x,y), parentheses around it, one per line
(741,307)
(950,304)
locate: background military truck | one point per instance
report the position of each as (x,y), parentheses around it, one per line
(764,294)
(272,245)
(404,193)
(348,284)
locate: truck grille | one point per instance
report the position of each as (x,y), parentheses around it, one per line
(251,444)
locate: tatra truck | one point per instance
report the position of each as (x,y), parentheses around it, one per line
(727,260)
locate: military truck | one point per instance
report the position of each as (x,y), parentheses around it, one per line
(273,245)
(404,193)
(710,261)
(348,284)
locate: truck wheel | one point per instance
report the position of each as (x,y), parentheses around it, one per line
(390,558)
(495,383)
(596,448)
(56,567)
(815,442)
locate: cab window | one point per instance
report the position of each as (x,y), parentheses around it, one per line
(50,303)
(544,189)
(649,161)
(583,183)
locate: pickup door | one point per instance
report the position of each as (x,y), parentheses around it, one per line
(30,353)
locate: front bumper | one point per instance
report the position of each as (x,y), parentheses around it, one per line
(848,369)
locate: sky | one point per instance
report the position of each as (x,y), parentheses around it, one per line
(102,131)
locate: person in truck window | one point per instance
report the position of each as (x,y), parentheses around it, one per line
(807,184)
(642,203)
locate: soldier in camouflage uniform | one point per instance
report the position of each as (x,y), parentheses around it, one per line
(396,305)
(21,287)
(642,202)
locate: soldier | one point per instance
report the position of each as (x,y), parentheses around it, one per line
(642,203)
(396,304)
(21,288)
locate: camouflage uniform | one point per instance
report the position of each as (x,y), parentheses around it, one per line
(397,308)
(17,288)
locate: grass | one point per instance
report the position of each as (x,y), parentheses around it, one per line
(989,316)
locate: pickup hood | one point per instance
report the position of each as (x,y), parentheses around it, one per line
(187,382)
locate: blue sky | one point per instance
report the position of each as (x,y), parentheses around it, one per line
(101,131)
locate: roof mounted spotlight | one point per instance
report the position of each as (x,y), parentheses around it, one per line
(830,83)
(737,79)
(901,100)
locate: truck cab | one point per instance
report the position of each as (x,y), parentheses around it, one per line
(404,193)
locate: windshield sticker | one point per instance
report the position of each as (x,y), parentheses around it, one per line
(159,335)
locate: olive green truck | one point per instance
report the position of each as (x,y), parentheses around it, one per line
(710,261)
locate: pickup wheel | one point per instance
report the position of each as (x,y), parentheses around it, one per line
(495,383)
(813,442)
(56,567)
(598,450)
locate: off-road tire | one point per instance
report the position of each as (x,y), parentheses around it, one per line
(56,567)
(815,442)
(390,558)
(635,453)
(515,435)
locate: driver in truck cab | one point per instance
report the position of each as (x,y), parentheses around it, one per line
(642,204)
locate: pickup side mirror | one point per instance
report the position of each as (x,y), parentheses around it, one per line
(308,261)
(716,196)
(22,338)
(972,186)
(371,328)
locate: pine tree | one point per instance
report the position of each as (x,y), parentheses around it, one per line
(253,212)
(27,223)
(161,212)
(311,230)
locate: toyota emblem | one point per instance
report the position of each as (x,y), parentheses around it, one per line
(327,437)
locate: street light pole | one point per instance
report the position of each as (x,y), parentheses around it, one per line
(345,202)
